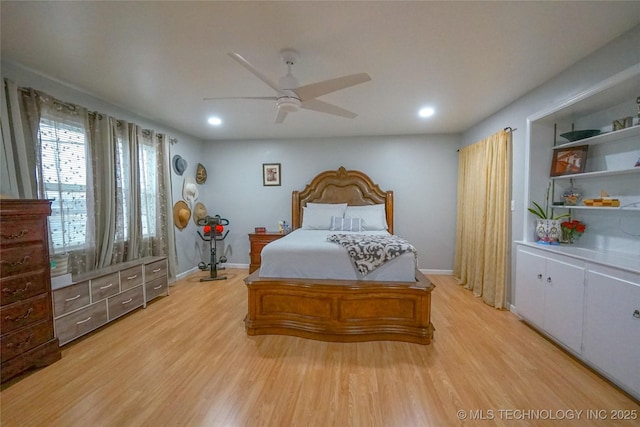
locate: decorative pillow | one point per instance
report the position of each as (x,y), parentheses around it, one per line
(339,223)
(319,218)
(373,216)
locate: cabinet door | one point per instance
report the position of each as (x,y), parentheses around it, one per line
(612,330)
(530,271)
(564,302)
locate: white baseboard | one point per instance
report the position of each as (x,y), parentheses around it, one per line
(234,265)
(196,269)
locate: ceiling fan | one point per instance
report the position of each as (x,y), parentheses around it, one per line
(290,96)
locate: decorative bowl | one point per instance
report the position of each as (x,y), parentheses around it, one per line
(577,135)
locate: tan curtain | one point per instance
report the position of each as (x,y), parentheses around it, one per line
(483,224)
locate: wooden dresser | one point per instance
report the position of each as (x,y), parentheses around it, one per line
(257,241)
(26,319)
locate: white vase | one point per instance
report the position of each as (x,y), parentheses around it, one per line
(548,231)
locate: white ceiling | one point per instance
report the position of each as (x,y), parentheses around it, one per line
(159,59)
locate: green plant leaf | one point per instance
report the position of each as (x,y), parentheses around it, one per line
(566,215)
(538,211)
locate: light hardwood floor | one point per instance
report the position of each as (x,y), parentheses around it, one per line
(186,361)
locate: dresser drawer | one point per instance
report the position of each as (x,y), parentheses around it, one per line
(19,232)
(81,322)
(24,313)
(22,259)
(154,270)
(104,287)
(70,298)
(21,340)
(156,288)
(131,277)
(125,302)
(23,286)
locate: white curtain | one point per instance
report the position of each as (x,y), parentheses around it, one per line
(110,181)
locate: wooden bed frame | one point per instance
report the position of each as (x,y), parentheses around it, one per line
(340,310)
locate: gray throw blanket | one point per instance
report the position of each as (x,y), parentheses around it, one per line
(368,252)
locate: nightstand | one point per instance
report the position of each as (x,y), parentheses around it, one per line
(257,241)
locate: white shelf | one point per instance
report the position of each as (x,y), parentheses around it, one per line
(603,138)
(616,208)
(598,174)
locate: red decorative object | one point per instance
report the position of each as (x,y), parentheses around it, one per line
(572,230)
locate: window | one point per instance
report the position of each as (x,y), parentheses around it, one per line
(64,178)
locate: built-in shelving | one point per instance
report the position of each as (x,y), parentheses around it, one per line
(598,174)
(604,208)
(603,138)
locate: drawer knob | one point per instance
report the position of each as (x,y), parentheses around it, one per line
(106,286)
(636,314)
(157,287)
(83,321)
(24,259)
(17,291)
(72,298)
(20,344)
(19,318)
(127,301)
(15,236)
(156,270)
(132,277)
(539,276)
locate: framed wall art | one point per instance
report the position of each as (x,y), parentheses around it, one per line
(271,174)
(567,161)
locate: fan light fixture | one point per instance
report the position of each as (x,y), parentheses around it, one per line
(288,104)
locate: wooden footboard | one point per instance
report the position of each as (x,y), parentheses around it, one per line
(340,310)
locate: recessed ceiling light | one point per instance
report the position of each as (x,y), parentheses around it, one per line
(426,112)
(215,121)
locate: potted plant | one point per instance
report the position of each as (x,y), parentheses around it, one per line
(547,226)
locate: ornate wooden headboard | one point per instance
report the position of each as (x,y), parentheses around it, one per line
(341,186)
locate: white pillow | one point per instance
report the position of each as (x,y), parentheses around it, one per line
(319,218)
(339,223)
(373,216)
(327,205)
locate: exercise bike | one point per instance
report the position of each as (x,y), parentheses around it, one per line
(213,228)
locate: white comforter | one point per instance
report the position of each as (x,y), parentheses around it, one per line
(307,254)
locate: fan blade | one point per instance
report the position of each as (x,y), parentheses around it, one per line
(315,90)
(325,107)
(281,116)
(264,98)
(246,64)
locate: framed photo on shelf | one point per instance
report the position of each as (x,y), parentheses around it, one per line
(270,174)
(567,161)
